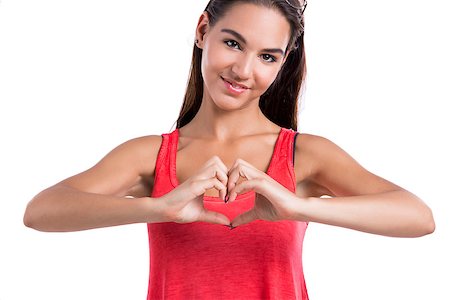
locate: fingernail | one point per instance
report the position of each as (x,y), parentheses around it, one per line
(227,198)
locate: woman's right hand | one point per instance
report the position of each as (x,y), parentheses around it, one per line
(184,204)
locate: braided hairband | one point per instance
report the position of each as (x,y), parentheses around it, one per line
(300,9)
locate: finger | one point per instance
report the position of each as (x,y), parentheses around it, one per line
(216,173)
(242,162)
(200,186)
(243,169)
(216,168)
(214,217)
(223,178)
(244,218)
(245,186)
(235,173)
(215,160)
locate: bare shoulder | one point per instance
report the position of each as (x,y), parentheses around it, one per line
(306,147)
(306,165)
(146,150)
(139,153)
(128,169)
(327,167)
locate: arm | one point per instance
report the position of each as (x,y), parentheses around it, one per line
(96,197)
(360,200)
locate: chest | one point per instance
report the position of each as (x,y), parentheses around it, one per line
(192,159)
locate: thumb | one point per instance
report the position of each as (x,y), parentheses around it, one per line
(244,218)
(215,218)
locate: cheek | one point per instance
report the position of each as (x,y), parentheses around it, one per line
(265,77)
(215,59)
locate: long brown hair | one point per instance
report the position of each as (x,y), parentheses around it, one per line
(280,101)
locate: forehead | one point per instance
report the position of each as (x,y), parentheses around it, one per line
(259,25)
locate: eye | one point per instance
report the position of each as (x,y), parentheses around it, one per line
(231,43)
(269,58)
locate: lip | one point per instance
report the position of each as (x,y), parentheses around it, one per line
(235,83)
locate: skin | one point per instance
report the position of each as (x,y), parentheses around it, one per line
(217,157)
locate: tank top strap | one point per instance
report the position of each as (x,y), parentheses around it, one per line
(162,183)
(283,165)
(286,143)
(289,145)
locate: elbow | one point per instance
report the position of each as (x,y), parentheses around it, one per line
(426,224)
(28,217)
(421,219)
(418,222)
(27,222)
(33,215)
(37,212)
(430,224)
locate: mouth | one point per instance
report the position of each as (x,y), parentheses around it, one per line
(235,85)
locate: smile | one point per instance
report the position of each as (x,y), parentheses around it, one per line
(234,88)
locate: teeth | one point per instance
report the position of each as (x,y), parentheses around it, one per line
(232,84)
(235,86)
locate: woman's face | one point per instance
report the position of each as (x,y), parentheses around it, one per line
(245,47)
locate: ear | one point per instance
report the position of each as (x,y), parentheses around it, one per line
(202,29)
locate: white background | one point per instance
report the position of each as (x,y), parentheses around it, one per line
(77,78)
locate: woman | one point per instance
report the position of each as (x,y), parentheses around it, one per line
(235,159)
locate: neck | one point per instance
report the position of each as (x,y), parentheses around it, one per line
(213,122)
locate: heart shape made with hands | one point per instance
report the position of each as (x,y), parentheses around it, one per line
(273,201)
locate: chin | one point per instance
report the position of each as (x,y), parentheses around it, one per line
(228,103)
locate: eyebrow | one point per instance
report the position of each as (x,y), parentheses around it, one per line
(240,37)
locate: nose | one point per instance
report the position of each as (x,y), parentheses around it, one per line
(243,67)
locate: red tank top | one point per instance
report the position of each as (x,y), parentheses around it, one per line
(200,260)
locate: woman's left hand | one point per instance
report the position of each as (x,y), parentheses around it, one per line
(273,202)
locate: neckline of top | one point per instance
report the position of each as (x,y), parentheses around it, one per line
(173,164)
